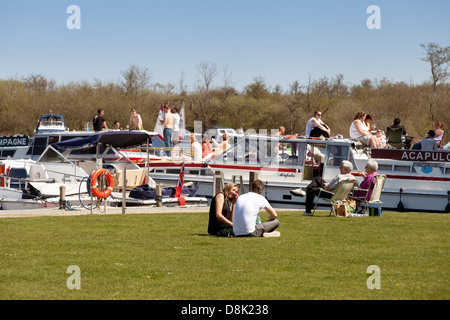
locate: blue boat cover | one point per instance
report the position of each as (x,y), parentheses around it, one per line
(116,139)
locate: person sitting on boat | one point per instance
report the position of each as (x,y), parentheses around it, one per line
(439,132)
(315,127)
(369,122)
(220,148)
(381,139)
(428,143)
(281,131)
(116,125)
(196,149)
(368,183)
(247,210)
(99,120)
(206,148)
(359,132)
(405,137)
(221,211)
(318,182)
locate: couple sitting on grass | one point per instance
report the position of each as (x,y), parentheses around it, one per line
(231,214)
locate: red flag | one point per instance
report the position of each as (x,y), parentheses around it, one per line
(180,183)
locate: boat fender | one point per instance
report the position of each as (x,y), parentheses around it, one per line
(93,183)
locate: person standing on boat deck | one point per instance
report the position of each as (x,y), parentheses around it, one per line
(136,120)
(317,182)
(221,211)
(176,126)
(315,127)
(247,208)
(359,132)
(99,120)
(168,129)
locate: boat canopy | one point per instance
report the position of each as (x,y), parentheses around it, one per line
(115,139)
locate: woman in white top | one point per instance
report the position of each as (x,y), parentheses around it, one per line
(439,132)
(315,127)
(359,131)
(196,149)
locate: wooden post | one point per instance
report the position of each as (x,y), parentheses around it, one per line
(252,177)
(159,195)
(124,190)
(62,197)
(241,183)
(218,182)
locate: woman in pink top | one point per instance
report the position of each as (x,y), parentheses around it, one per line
(368,183)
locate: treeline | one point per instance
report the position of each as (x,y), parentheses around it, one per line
(257,106)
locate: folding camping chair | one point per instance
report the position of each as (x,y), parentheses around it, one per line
(341,192)
(394,137)
(377,188)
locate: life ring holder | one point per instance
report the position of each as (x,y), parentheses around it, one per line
(93,183)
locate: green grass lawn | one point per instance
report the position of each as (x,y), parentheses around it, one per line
(170,256)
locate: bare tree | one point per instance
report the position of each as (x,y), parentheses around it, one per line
(135,81)
(439,58)
(207,72)
(293,103)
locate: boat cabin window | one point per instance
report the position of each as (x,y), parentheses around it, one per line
(288,153)
(402,168)
(7,153)
(384,167)
(335,155)
(15,175)
(40,143)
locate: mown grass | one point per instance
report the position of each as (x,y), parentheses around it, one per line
(170,256)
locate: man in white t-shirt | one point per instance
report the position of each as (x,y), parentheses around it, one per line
(247,208)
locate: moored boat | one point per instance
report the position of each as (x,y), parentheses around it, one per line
(418,180)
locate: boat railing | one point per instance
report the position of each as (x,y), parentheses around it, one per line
(22,181)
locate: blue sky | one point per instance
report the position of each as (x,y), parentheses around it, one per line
(280,41)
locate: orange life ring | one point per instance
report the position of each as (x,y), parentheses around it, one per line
(93,183)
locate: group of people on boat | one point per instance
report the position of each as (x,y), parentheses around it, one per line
(99,121)
(205,150)
(363,130)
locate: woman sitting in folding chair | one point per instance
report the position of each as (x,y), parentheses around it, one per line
(367,184)
(313,189)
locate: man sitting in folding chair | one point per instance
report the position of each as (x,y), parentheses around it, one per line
(317,183)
